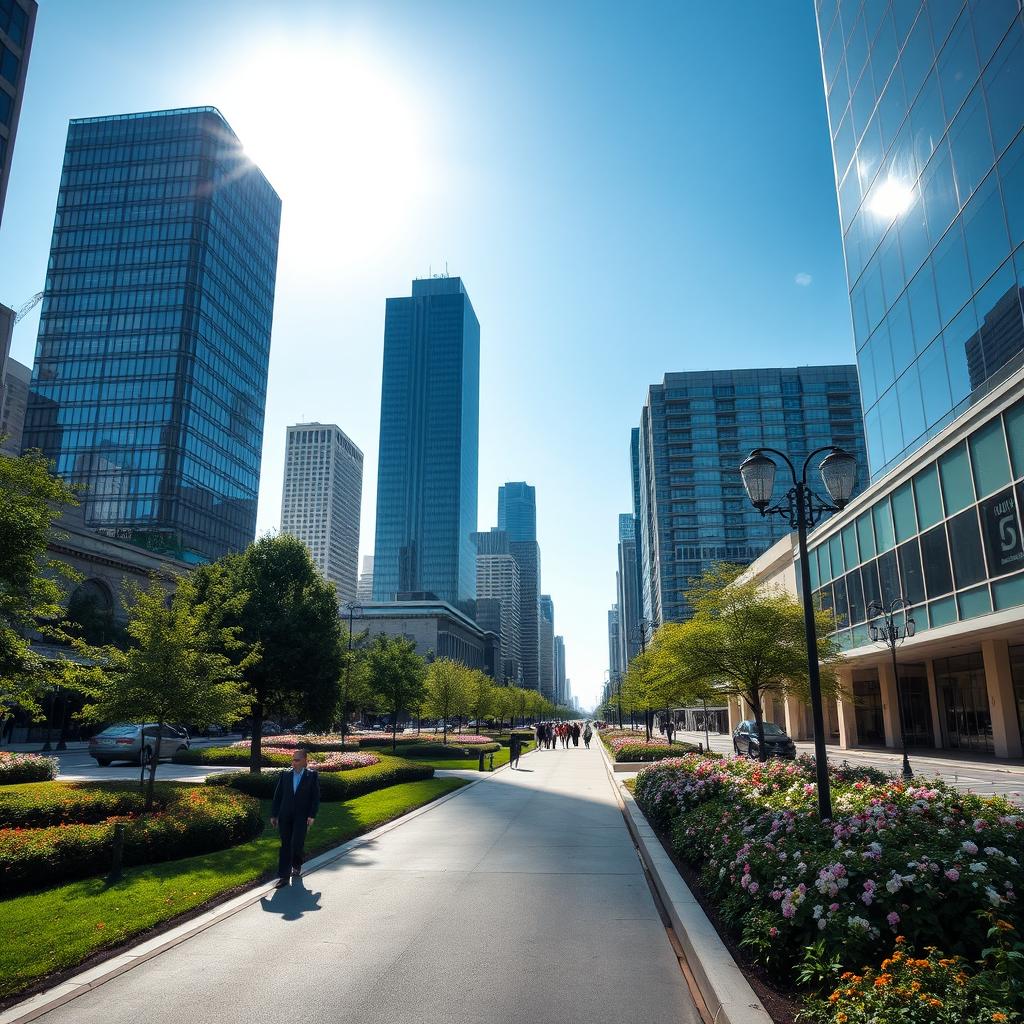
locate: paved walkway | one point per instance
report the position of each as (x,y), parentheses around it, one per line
(520,900)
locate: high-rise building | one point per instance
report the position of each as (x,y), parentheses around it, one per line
(497,578)
(17,23)
(429,437)
(13,403)
(527,557)
(364,586)
(615,667)
(561,694)
(546,630)
(150,375)
(323,488)
(517,510)
(628,590)
(696,429)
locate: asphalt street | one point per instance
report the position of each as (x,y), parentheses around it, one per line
(483,910)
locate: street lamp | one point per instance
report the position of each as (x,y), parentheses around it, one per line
(892,634)
(802,509)
(354,609)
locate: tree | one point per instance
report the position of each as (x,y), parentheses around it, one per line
(289,632)
(502,700)
(31,500)
(746,641)
(446,690)
(481,695)
(397,676)
(174,669)
(355,679)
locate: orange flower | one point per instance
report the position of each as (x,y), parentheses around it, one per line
(934,1002)
(1004,926)
(900,940)
(997,1016)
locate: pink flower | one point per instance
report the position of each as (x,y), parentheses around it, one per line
(773,932)
(952,874)
(893,918)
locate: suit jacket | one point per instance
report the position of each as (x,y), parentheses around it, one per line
(303,802)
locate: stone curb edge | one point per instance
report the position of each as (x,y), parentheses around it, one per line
(725,990)
(43,1002)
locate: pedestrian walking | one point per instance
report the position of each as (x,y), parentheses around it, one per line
(540,735)
(575,734)
(670,731)
(295,805)
(588,735)
(515,744)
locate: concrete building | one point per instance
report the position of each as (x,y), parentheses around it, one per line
(17,24)
(615,666)
(628,591)
(323,489)
(497,578)
(436,627)
(547,647)
(13,403)
(364,585)
(561,693)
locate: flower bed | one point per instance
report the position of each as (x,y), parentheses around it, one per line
(317,742)
(383,739)
(657,750)
(188,821)
(37,804)
(922,860)
(389,771)
(277,757)
(16,768)
(451,751)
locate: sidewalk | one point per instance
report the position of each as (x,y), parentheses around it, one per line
(520,900)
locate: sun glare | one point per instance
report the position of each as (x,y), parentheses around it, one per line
(341,138)
(890,198)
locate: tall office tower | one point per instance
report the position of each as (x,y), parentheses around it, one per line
(429,439)
(628,590)
(642,571)
(17,23)
(323,487)
(615,667)
(561,696)
(929,169)
(150,374)
(517,510)
(364,586)
(546,630)
(696,429)
(13,403)
(497,577)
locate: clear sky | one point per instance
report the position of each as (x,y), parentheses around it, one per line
(626,189)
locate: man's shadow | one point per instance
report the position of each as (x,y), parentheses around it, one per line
(291,901)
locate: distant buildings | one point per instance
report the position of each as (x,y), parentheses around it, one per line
(17,23)
(497,580)
(364,586)
(628,591)
(616,667)
(323,487)
(517,510)
(517,516)
(429,426)
(561,693)
(546,631)
(150,375)
(13,403)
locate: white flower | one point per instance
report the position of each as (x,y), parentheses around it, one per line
(977,866)
(968,847)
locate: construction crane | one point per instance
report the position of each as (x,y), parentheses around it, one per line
(26,307)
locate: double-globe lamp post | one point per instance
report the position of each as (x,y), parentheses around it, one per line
(802,508)
(892,634)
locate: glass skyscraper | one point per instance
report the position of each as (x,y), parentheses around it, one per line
(150,372)
(17,23)
(696,429)
(429,439)
(925,103)
(517,510)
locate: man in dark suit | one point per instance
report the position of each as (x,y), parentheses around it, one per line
(296,802)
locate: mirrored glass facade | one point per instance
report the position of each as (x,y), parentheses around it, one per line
(17,24)
(925,105)
(429,443)
(695,431)
(150,374)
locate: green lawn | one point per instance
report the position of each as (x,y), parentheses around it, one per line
(52,930)
(469,763)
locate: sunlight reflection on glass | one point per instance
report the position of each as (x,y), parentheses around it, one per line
(890,198)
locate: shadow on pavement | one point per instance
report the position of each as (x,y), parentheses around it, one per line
(292,902)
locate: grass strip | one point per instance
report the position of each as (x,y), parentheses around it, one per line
(58,928)
(467,763)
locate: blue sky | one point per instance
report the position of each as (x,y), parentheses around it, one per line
(625,189)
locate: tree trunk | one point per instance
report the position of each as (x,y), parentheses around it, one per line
(153,762)
(394,727)
(758,709)
(256,744)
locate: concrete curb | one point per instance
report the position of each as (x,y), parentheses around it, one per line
(721,982)
(35,1006)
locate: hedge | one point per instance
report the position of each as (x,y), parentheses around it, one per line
(239,758)
(38,804)
(652,751)
(334,785)
(452,751)
(15,768)
(191,820)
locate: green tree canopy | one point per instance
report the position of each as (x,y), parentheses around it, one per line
(397,677)
(446,690)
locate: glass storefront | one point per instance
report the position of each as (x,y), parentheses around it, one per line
(915,706)
(1017,675)
(868,701)
(963,703)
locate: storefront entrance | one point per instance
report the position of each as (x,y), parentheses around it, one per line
(963,703)
(915,706)
(868,699)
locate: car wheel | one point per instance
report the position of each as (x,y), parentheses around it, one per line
(736,748)
(144,757)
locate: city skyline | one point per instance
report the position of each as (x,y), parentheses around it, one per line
(330,297)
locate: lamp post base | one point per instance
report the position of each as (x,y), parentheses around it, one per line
(908,772)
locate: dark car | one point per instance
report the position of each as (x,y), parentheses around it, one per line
(777,743)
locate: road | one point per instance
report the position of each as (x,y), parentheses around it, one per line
(480,911)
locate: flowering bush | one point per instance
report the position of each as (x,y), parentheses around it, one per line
(321,741)
(188,821)
(921,860)
(337,762)
(654,751)
(26,768)
(38,804)
(932,989)
(383,739)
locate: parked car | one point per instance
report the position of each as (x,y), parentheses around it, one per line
(777,742)
(271,729)
(137,743)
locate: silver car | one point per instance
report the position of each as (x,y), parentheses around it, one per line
(136,743)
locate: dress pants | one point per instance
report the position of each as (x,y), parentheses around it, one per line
(293,838)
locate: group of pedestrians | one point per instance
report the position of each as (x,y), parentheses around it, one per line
(550,734)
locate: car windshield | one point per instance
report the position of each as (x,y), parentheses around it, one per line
(771,729)
(120,730)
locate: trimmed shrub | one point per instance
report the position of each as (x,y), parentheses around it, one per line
(651,751)
(383,739)
(38,804)
(452,751)
(333,786)
(318,743)
(278,757)
(15,768)
(191,820)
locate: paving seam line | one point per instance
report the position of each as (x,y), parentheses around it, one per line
(718,978)
(43,1002)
